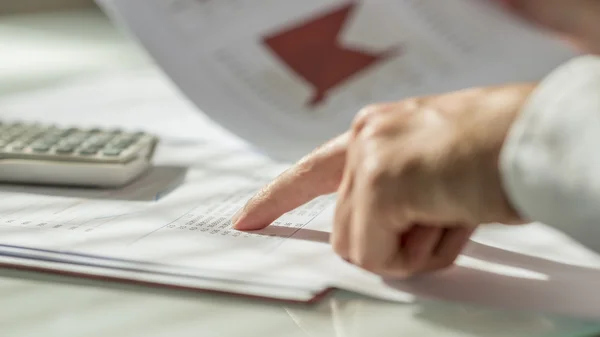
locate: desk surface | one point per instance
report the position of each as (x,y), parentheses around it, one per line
(46,49)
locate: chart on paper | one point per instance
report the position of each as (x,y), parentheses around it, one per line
(320,57)
(288,75)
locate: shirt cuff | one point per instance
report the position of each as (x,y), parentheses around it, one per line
(549,163)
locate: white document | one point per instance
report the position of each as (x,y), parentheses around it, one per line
(286,75)
(185,239)
(215,51)
(94,268)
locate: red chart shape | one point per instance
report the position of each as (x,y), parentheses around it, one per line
(313,51)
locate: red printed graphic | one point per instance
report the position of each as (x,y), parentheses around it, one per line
(313,51)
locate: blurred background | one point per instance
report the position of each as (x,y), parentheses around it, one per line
(33,6)
(45,42)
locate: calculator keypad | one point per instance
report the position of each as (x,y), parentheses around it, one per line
(29,140)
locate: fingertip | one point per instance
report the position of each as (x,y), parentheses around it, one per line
(243,222)
(241,226)
(247,218)
(239,222)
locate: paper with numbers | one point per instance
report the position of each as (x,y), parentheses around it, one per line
(172,228)
(185,239)
(287,75)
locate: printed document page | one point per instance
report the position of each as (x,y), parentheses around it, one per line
(286,75)
(185,237)
(184,232)
(98,269)
(123,225)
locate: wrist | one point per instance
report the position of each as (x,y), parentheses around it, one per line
(515,97)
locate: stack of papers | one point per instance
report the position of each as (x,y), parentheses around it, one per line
(237,61)
(172,227)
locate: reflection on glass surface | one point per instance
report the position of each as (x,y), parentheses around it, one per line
(158,312)
(349,315)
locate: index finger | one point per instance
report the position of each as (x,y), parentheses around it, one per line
(316,174)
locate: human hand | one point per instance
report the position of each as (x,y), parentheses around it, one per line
(414,179)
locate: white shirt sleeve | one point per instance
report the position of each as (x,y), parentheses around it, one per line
(550,162)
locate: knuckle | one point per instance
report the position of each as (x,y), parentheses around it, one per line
(409,267)
(411,165)
(413,104)
(374,171)
(400,269)
(369,113)
(368,265)
(377,168)
(447,261)
(403,273)
(410,170)
(402,110)
(303,167)
(375,128)
(441,263)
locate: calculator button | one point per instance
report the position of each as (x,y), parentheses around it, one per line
(50,133)
(97,141)
(96,146)
(92,149)
(68,131)
(87,145)
(65,149)
(112,152)
(72,141)
(123,144)
(40,148)
(49,141)
(29,137)
(76,136)
(18,145)
(88,151)
(45,142)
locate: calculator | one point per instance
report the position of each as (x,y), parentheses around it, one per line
(50,155)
